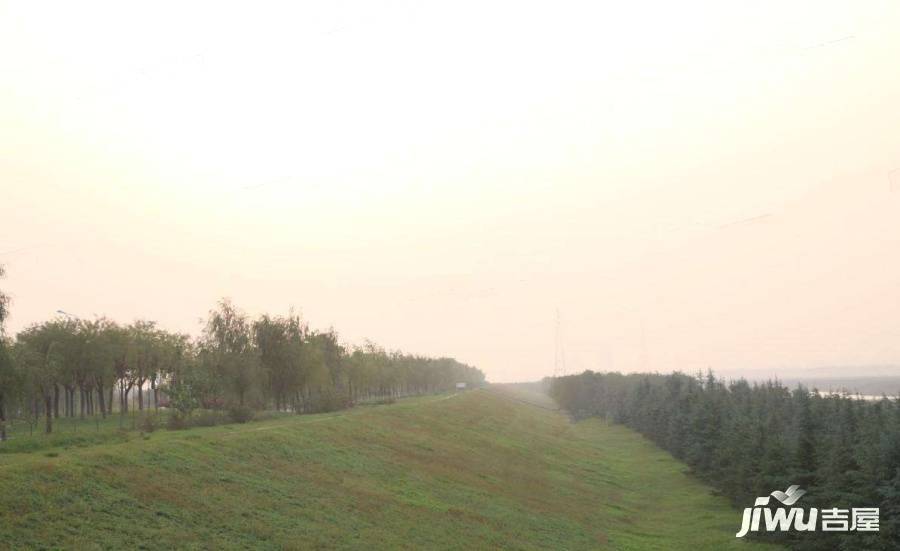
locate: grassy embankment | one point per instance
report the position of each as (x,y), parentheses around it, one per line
(475,470)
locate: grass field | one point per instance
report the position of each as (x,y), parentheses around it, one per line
(471,471)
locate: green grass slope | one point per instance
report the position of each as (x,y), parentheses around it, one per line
(470,471)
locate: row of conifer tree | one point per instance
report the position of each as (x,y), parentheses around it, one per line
(747,440)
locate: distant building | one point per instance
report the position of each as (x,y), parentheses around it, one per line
(460,386)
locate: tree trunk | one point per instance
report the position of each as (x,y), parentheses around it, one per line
(126,389)
(56,401)
(140,394)
(48,410)
(100,399)
(2,419)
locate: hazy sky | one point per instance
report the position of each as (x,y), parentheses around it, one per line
(691,184)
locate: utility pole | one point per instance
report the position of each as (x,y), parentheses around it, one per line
(643,347)
(559,353)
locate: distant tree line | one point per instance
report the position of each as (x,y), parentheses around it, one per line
(68,367)
(748,440)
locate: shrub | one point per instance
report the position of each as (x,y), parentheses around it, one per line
(148,423)
(208,418)
(214,402)
(240,414)
(202,418)
(177,422)
(326,401)
(181,396)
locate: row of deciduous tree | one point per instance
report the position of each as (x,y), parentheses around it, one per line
(748,440)
(72,367)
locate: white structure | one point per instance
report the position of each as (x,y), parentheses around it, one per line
(460,386)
